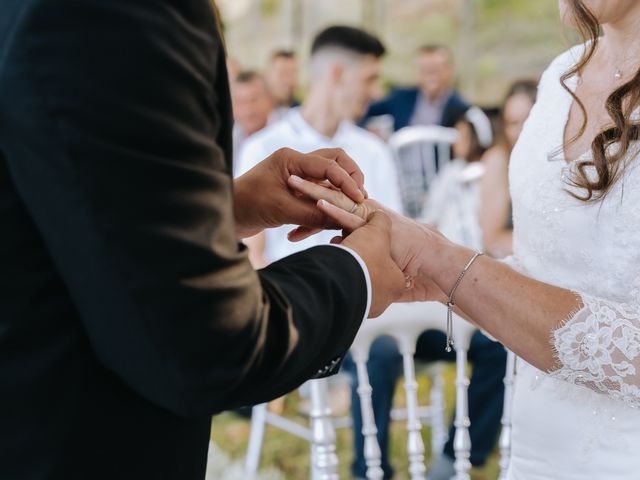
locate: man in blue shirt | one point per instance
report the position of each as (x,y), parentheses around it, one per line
(433,101)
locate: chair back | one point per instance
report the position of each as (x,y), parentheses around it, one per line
(419,151)
(405,322)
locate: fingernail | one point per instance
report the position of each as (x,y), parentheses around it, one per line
(296,179)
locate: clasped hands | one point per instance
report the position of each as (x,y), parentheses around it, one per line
(325,190)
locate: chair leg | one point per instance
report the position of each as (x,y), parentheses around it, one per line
(505,434)
(324,459)
(372,454)
(415,446)
(462,440)
(438,429)
(258,422)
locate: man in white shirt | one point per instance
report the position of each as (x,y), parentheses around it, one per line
(345,65)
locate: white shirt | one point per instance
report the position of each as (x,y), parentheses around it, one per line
(370,153)
(239,136)
(453,202)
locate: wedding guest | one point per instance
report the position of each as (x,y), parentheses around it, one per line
(233,68)
(344,67)
(453,201)
(433,101)
(495,214)
(281,75)
(129,313)
(252,106)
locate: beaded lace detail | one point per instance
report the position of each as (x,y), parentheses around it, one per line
(580,421)
(599,347)
(589,248)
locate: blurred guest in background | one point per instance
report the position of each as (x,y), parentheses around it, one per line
(281,75)
(495,212)
(234,67)
(454,196)
(433,101)
(252,106)
(344,67)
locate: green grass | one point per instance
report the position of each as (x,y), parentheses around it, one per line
(290,455)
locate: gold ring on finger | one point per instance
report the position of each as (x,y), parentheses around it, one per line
(408,282)
(354,208)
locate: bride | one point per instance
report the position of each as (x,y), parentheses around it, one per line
(568,301)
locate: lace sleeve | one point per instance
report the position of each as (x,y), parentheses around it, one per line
(599,347)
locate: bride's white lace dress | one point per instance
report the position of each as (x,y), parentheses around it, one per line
(582,421)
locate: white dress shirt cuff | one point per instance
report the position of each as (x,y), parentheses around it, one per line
(367,277)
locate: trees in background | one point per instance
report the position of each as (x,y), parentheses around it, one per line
(495,41)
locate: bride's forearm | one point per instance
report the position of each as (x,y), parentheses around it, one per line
(520,312)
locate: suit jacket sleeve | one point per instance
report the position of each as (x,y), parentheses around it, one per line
(381,107)
(453,111)
(113,116)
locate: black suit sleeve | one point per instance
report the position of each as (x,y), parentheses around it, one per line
(113,113)
(453,111)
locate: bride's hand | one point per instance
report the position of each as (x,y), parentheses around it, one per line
(414,246)
(325,191)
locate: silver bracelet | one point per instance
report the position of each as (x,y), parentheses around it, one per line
(450,303)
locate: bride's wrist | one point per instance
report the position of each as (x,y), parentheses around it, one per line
(445,263)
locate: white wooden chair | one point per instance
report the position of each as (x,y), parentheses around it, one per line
(505,434)
(320,433)
(321,430)
(405,323)
(418,150)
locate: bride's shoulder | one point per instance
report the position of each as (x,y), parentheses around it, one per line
(562,63)
(570,57)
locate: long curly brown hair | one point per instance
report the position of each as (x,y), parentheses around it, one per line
(609,163)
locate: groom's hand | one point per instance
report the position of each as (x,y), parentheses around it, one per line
(263,198)
(415,249)
(372,241)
